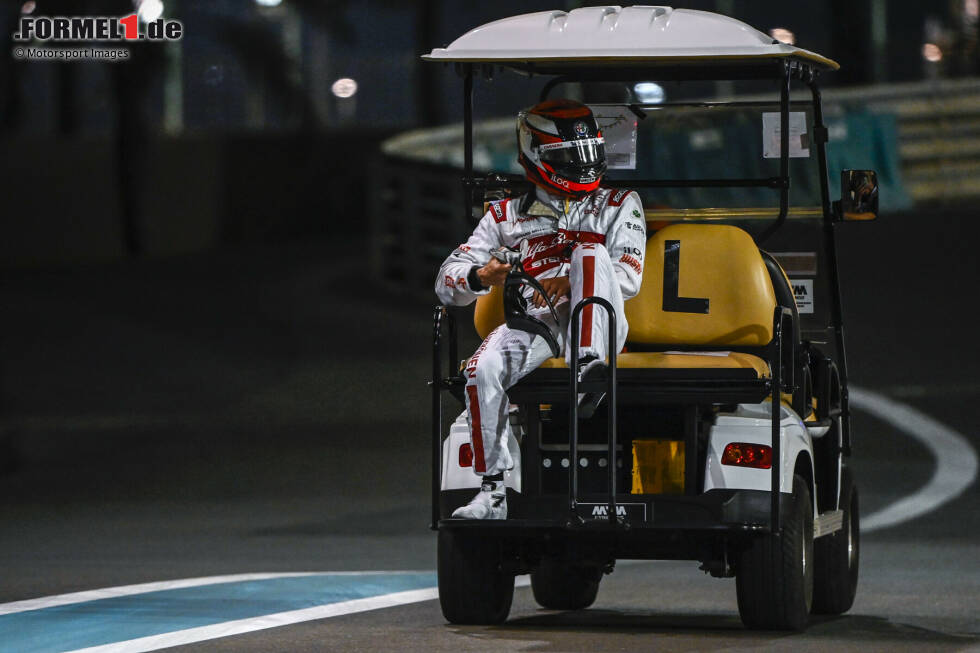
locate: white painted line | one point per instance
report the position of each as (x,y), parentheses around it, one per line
(934,390)
(192,635)
(956,460)
(228,628)
(144,588)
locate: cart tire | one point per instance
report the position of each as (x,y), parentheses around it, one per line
(473,587)
(774,576)
(558,586)
(836,557)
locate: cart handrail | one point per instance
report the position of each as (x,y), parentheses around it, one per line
(780,358)
(573,407)
(441,315)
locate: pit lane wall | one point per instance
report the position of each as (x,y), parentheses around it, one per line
(923,138)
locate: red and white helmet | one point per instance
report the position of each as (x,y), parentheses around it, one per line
(561,147)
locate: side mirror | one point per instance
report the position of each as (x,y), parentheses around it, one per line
(859,195)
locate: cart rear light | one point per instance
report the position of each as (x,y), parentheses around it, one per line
(465,455)
(744,454)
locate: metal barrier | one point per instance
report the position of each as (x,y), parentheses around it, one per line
(939,137)
(415,222)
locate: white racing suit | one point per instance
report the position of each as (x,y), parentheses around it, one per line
(598,242)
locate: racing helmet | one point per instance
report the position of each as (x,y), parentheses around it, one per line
(561,147)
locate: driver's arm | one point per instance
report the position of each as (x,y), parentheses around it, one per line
(627,243)
(458,282)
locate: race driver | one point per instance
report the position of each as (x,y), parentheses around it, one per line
(578,240)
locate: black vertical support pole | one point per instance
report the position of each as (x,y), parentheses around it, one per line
(436,413)
(820,138)
(576,320)
(830,247)
(777,372)
(468,142)
(611,409)
(777,400)
(573,416)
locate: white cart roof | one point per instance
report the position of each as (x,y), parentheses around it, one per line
(613,34)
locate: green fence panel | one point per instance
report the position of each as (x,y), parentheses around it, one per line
(868,141)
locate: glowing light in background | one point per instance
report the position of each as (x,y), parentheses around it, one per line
(149,10)
(931,52)
(649,92)
(28,7)
(783,34)
(971,8)
(268,3)
(344,87)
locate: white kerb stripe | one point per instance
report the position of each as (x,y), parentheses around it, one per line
(191,635)
(241,626)
(144,588)
(956,460)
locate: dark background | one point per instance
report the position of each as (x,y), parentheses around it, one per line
(233,135)
(199,376)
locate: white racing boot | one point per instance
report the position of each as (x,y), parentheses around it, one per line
(489,503)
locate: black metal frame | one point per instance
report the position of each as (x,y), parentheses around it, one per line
(611,400)
(438,385)
(783,361)
(781,354)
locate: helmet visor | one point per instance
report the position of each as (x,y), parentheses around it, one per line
(580,152)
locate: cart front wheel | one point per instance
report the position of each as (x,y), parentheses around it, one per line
(473,587)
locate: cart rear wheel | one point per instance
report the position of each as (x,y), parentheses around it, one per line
(836,557)
(473,587)
(774,577)
(560,586)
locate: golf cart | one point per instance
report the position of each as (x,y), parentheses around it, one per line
(725,433)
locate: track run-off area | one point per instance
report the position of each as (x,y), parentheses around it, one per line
(197,453)
(156,615)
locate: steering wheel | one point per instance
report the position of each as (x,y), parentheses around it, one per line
(515,304)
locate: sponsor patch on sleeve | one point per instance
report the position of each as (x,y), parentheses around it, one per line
(499,211)
(616,199)
(632,262)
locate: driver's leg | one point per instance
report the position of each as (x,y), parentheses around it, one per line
(592,274)
(506,356)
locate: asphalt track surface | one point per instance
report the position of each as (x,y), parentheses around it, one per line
(253,412)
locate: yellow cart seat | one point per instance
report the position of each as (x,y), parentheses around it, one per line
(719,266)
(725,360)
